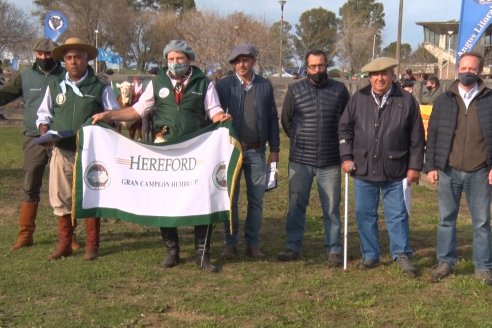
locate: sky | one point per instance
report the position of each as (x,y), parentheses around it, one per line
(269,10)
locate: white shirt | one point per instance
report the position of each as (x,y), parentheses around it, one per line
(468,96)
(45,114)
(146,101)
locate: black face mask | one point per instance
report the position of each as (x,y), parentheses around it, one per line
(467,79)
(318,78)
(46,64)
(429,88)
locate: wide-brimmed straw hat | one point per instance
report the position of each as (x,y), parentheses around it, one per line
(74,43)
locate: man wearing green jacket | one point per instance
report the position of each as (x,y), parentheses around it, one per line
(182,100)
(31,84)
(68,102)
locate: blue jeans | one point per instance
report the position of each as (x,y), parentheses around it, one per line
(395,216)
(254,172)
(477,190)
(329,189)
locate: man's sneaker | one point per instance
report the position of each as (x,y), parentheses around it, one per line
(368,264)
(403,262)
(441,271)
(484,276)
(335,260)
(288,255)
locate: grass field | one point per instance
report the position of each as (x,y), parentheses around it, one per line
(125,287)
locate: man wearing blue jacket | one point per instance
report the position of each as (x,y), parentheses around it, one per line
(249,99)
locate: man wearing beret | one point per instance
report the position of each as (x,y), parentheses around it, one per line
(183,100)
(250,101)
(31,86)
(310,115)
(68,102)
(382,143)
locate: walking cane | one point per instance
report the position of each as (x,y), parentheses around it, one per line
(345,223)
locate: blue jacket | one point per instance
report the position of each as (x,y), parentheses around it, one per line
(231,98)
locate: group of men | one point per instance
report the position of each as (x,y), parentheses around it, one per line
(375,135)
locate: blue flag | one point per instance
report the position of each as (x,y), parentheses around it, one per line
(476,16)
(55,24)
(108,56)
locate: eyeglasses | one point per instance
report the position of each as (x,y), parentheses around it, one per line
(319,67)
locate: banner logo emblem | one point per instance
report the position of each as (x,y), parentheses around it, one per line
(96,176)
(219,176)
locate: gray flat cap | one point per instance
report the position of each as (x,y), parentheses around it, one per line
(379,64)
(44,45)
(179,46)
(244,49)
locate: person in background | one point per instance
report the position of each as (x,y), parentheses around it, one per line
(434,90)
(310,115)
(68,102)
(381,144)
(2,82)
(31,86)
(250,101)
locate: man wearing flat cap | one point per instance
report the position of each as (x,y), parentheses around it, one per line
(249,99)
(68,102)
(31,85)
(381,144)
(182,100)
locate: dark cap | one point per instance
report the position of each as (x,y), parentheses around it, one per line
(407,83)
(44,45)
(244,49)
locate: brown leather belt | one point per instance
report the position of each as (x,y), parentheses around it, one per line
(246,146)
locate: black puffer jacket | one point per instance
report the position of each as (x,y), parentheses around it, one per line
(383,146)
(442,125)
(310,117)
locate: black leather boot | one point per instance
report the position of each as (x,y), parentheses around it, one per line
(202,248)
(171,240)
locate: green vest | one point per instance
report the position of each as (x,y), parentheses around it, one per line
(71,111)
(34,82)
(186,117)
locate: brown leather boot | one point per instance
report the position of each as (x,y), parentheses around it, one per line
(75,244)
(27,225)
(65,235)
(92,229)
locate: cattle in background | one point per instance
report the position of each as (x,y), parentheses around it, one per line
(126,99)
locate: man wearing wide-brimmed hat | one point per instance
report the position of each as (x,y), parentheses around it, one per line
(68,102)
(382,143)
(182,100)
(31,86)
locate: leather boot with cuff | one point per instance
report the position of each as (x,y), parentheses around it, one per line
(92,230)
(65,234)
(27,225)
(171,240)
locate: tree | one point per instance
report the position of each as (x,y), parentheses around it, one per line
(288,49)
(405,51)
(360,21)
(18,34)
(317,29)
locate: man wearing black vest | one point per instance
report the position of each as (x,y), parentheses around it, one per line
(31,85)
(310,115)
(459,158)
(181,86)
(68,102)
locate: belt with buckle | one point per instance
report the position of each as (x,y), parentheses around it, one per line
(253,145)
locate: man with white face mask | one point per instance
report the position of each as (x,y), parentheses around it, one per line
(183,100)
